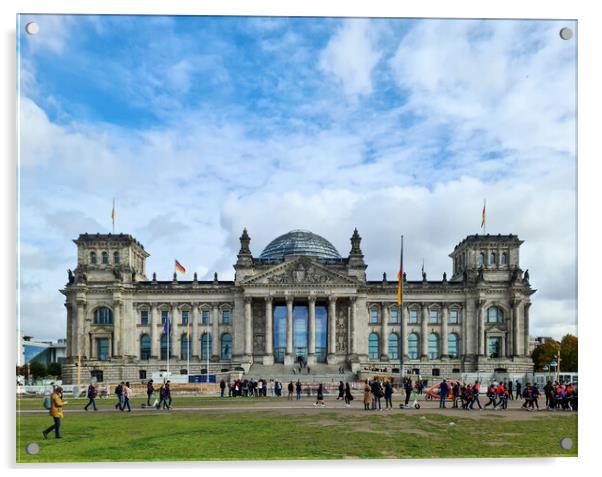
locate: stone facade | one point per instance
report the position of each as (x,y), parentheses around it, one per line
(303,303)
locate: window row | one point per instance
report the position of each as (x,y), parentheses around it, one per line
(188,347)
(434,317)
(104,316)
(493,258)
(104,257)
(413,346)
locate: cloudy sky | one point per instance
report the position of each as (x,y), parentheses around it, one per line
(200,126)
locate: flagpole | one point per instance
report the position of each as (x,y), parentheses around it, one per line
(400,314)
(168,333)
(188,354)
(113,216)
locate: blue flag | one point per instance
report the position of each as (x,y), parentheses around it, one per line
(167,327)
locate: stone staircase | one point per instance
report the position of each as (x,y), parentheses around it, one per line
(319,373)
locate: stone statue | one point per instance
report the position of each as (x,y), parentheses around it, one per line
(481,274)
(215,280)
(424,276)
(465,276)
(405,276)
(385,277)
(526,276)
(444,276)
(133,275)
(154,276)
(71,276)
(194,278)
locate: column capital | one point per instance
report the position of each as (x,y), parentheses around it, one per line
(268,298)
(332,298)
(312,299)
(289,299)
(248,300)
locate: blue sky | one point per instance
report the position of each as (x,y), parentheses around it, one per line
(200,126)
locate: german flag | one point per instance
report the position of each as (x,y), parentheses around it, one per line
(180,268)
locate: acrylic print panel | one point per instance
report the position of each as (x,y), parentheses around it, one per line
(262,226)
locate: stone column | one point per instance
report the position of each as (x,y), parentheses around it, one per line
(515,328)
(80,329)
(332,328)
(288,358)
(215,347)
(404,331)
(248,328)
(353,305)
(311,331)
(481,328)
(384,332)
(269,332)
(174,344)
(195,345)
(69,350)
(155,334)
(444,339)
(424,331)
(117,330)
(464,330)
(526,307)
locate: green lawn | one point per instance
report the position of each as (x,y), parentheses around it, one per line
(289,434)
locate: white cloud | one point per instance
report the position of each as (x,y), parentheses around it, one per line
(351,55)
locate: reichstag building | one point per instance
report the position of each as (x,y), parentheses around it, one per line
(299,299)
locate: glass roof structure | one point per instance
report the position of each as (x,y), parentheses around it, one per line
(299,242)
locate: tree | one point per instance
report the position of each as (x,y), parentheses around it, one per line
(37,370)
(54,369)
(544,353)
(568,353)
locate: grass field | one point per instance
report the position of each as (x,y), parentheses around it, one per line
(259,429)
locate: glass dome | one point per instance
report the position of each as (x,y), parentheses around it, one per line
(299,242)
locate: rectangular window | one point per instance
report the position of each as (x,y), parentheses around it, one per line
(185,317)
(96,375)
(144,317)
(394,315)
(102,349)
(413,317)
(453,317)
(436,372)
(205,317)
(226,317)
(164,316)
(434,317)
(373,315)
(142,374)
(494,346)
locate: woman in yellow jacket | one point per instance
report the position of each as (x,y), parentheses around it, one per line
(56,411)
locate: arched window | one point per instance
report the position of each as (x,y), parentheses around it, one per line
(413,346)
(164,346)
(481,259)
(504,259)
(116,258)
(394,315)
(433,346)
(453,345)
(185,346)
(494,315)
(226,346)
(103,316)
(105,258)
(393,346)
(374,315)
(206,346)
(93,258)
(145,347)
(373,351)
(492,258)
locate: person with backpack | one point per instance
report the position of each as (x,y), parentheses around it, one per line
(491,396)
(127,394)
(348,396)
(518,389)
(91,394)
(119,393)
(475,395)
(56,411)
(149,392)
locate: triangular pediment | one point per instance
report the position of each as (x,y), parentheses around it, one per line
(300,271)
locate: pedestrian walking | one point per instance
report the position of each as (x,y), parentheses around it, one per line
(222,388)
(491,396)
(119,393)
(341,391)
(348,395)
(127,394)
(443,390)
(475,391)
(298,389)
(291,388)
(56,411)
(149,392)
(518,389)
(91,394)
(320,396)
